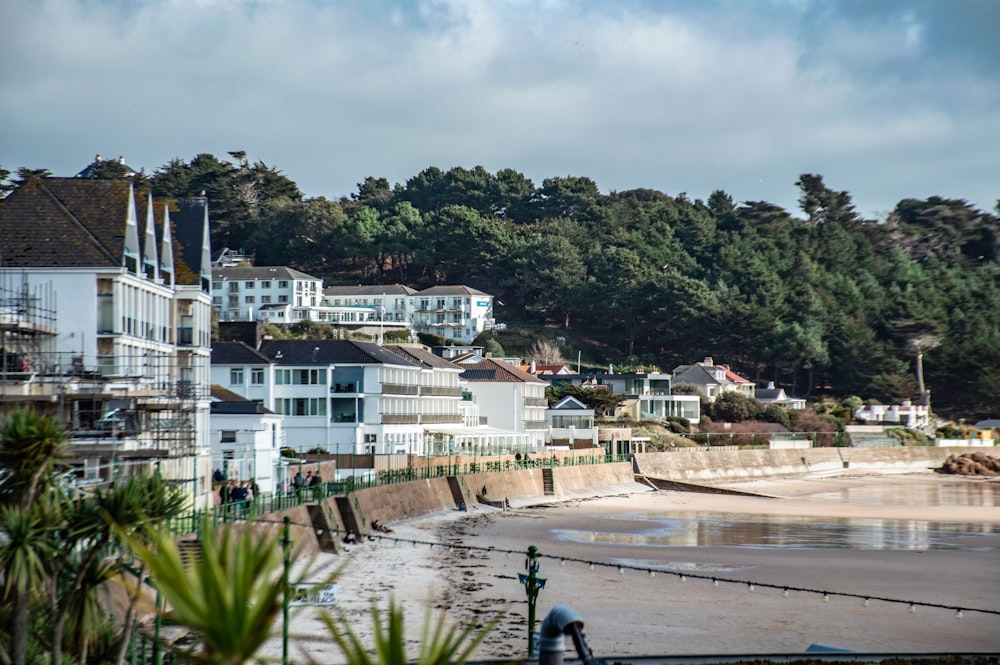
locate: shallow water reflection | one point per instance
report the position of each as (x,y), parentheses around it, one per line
(968,493)
(733,530)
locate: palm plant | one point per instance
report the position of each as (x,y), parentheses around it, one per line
(440,643)
(229,597)
(31,450)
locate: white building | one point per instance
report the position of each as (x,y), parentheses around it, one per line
(124,359)
(509,398)
(239,292)
(247,440)
(456,313)
(571,424)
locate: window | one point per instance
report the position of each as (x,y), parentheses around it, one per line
(300,377)
(217,286)
(228,436)
(301,406)
(248,285)
(283,284)
(249,298)
(217,300)
(283,299)
(371,438)
(236,377)
(257,376)
(265,298)
(265,284)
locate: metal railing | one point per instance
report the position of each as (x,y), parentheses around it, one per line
(241,511)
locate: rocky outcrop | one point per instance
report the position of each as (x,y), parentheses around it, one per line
(971,464)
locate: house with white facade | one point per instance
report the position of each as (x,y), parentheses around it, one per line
(456,313)
(906,414)
(571,424)
(123,360)
(347,397)
(712,380)
(509,398)
(246,440)
(647,396)
(239,292)
(772,395)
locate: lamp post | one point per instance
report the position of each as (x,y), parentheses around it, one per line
(532,585)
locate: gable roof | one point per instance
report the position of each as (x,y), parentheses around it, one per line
(237,353)
(65,222)
(491,369)
(445,290)
(260,272)
(86,222)
(570,403)
(329,352)
(419,355)
(369,290)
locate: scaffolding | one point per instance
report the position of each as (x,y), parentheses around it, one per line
(126,412)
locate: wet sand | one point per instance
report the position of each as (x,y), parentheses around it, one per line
(631,613)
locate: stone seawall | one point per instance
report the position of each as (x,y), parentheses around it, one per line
(697,465)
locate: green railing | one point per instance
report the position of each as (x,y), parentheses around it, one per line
(265,503)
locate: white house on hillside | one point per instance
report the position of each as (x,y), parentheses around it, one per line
(509,398)
(239,292)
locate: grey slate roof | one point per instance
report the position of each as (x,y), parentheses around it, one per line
(420,356)
(237,353)
(369,290)
(329,352)
(445,290)
(259,272)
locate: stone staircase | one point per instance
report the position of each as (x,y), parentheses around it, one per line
(548,485)
(190,551)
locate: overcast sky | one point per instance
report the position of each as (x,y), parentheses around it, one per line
(886,99)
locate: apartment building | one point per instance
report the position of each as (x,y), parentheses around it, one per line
(240,292)
(509,398)
(105,323)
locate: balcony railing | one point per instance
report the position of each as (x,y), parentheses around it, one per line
(400,419)
(440,419)
(399,389)
(437,391)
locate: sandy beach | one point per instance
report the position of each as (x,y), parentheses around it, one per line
(893,548)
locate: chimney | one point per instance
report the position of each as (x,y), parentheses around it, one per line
(121,159)
(770,385)
(709,361)
(533,367)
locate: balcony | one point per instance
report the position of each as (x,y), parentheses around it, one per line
(400,419)
(436,391)
(399,389)
(346,388)
(536,401)
(441,419)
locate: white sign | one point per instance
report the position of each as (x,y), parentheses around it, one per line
(312,595)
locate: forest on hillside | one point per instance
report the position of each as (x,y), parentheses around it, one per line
(820,300)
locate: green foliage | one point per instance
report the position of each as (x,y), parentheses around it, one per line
(734,407)
(774,413)
(603,402)
(229,596)
(439,644)
(491,345)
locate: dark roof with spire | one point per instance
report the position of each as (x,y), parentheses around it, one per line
(64,222)
(237,353)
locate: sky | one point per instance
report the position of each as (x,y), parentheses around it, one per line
(885,99)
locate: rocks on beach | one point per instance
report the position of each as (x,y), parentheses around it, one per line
(971,464)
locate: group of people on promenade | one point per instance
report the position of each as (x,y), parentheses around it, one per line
(235,492)
(301,482)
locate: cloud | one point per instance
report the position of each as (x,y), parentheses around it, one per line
(694,97)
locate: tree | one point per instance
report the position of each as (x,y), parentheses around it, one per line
(546,352)
(735,407)
(32,448)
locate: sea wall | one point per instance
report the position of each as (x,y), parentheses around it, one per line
(696,465)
